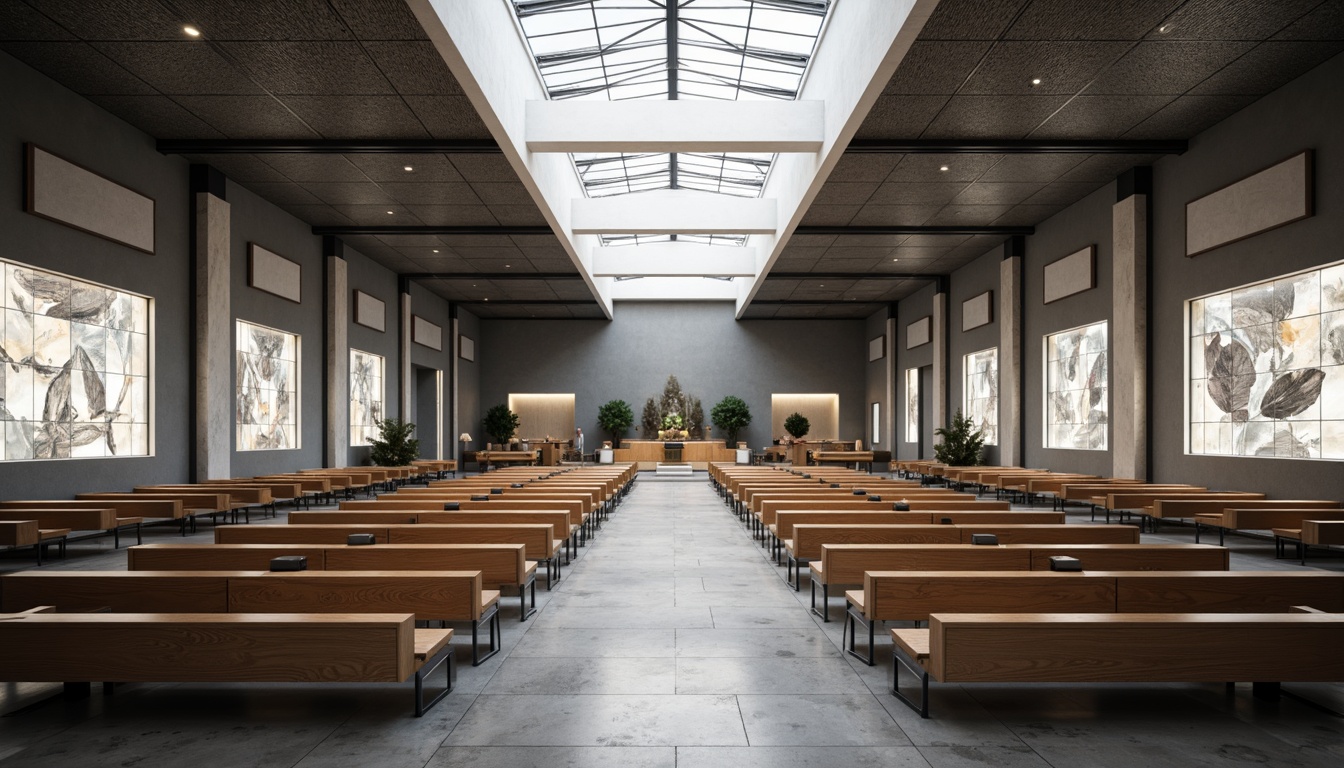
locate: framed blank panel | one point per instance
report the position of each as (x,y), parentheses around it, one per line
(370,311)
(919,332)
(425,333)
(77,197)
(466,348)
(1269,199)
(877,348)
(1072,274)
(977,311)
(270,272)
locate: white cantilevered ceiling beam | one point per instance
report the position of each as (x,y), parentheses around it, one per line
(859,50)
(674,212)
(674,126)
(674,260)
(480,43)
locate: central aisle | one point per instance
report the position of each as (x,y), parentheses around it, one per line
(674,630)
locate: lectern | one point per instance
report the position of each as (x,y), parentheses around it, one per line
(672,452)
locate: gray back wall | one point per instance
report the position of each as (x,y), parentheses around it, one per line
(710,353)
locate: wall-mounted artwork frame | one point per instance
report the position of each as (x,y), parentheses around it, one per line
(877,348)
(426,334)
(1070,275)
(67,193)
(980,392)
(877,422)
(367,398)
(269,272)
(1267,199)
(912,405)
(919,333)
(466,348)
(370,311)
(977,311)
(1076,411)
(267,409)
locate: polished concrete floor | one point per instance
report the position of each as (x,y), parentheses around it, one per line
(671,641)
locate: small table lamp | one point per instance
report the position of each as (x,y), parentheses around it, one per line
(464,438)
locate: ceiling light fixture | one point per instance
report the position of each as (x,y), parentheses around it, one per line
(508,266)
(436,250)
(391,213)
(191,31)
(944,168)
(1035,81)
(408,168)
(1166,28)
(895,259)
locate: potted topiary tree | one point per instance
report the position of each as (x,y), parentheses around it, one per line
(797,425)
(615,417)
(962,444)
(394,446)
(500,423)
(732,415)
(650,422)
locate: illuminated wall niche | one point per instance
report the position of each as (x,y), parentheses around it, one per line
(1076,408)
(267,393)
(980,392)
(366,396)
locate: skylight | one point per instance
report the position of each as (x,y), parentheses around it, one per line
(672,49)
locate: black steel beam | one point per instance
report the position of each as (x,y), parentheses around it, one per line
(912,230)
(849,276)
(421,229)
(326,146)
(532,302)
(824,302)
(1017,146)
(493,276)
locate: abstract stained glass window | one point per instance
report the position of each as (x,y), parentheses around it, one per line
(1267,368)
(980,392)
(1076,414)
(366,396)
(74,367)
(267,407)
(912,405)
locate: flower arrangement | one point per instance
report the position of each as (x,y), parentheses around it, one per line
(674,421)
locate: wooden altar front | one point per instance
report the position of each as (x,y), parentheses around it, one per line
(697,453)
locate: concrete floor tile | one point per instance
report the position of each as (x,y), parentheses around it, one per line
(523,675)
(606,720)
(855,720)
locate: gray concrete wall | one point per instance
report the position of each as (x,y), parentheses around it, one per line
(469,407)
(913,307)
(374,279)
(34,108)
(710,353)
(971,280)
(435,310)
(875,382)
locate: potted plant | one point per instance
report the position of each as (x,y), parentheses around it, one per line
(615,417)
(797,425)
(394,446)
(962,444)
(672,426)
(732,415)
(500,423)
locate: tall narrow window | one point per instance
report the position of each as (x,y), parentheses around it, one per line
(267,394)
(912,405)
(980,392)
(1076,408)
(366,396)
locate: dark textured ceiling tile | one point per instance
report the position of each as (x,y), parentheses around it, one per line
(1267,67)
(314,167)
(936,67)
(935,241)
(350,193)
(553,265)
(898,117)
(1072,20)
(424,168)
(845,193)
(454,215)
(379,19)
(19,21)
(920,253)
(379,215)
(1038,168)
(319,216)
(477,241)
(436,193)
(269,20)
(1027,215)
(413,67)
(448,116)
(971,215)
(432,242)
(869,253)
(1104,168)
(116,19)
(1101,117)
(314,67)
(545,253)
(796,312)
(905,193)
(929,168)
(783,264)
(1006,117)
(774,290)
(971,19)
(536,241)
(758,312)
(247,117)
(193,68)
(893,215)
(1234,19)
(1062,67)
(1005,193)
(284,193)
(1326,22)
(802,252)
(1062,193)
(503,193)
(855,167)
(79,67)
(1166,66)
(518,215)
(158,116)
(572,289)
(814,241)
(868,241)
(431,262)
(357,116)
(475,168)
(835,215)
(240,168)
(1189,115)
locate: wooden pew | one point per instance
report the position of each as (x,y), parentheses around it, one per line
(430,595)
(80,648)
(1188,508)
(1260,519)
(103,519)
(503,565)
(1109,647)
(15,534)
(184,507)
(913,596)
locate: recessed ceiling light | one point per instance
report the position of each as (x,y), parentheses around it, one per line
(944,168)
(487,298)
(823,285)
(391,213)
(1166,28)
(191,31)
(436,250)
(1035,81)
(508,266)
(895,259)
